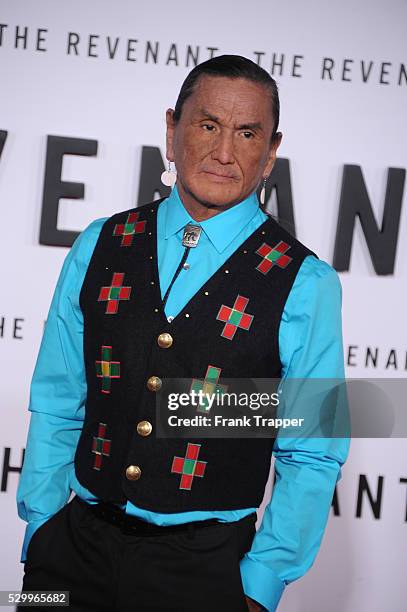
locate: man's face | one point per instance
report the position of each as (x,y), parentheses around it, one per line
(222,145)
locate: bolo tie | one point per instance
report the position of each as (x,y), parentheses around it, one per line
(190,239)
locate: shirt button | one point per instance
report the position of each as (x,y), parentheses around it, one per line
(165,340)
(154,383)
(170,318)
(144,428)
(133,472)
(186,266)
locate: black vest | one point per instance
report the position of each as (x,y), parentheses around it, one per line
(123,317)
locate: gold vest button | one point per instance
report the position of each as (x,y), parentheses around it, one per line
(165,340)
(154,383)
(144,428)
(133,472)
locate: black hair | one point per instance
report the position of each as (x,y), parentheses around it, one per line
(233,67)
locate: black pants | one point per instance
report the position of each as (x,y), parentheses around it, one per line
(106,569)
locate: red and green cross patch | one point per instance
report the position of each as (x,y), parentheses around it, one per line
(100,446)
(188,466)
(128,230)
(208,386)
(234,317)
(106,369)
(114,293)
(272,256)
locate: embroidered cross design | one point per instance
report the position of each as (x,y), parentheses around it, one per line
(128,229)
(188,466)
(208,386)
(234,317)
(273,255)
(100,446)
(106,369)
(114,293)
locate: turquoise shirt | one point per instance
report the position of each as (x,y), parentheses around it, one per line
(310,344)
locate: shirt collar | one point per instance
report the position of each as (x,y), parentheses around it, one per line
(221,229)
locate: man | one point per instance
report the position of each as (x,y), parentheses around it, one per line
(164,524)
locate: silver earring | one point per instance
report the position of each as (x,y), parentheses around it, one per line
(169,177)
(263,192)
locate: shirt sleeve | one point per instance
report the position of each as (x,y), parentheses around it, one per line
(57,395)
(306,469)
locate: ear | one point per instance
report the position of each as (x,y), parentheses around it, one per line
(169,117)
(272,154)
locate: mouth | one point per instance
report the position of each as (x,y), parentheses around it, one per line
(220,177)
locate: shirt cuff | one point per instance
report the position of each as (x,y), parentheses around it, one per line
(29,532)
(261,583)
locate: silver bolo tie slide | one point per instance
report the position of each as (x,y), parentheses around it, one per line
(191,235)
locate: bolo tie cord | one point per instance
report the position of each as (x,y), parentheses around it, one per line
(177,271)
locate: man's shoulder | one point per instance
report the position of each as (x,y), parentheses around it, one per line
(317,277)
(86,240)
(314,271)
(138,212)
(285,234)
(94,231)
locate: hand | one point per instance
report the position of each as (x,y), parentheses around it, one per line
(252,605)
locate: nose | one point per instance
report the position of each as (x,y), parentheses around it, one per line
(223,151)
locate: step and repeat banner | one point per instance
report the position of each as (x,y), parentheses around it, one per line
(84,89)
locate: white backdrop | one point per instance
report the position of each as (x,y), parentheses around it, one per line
(121,103)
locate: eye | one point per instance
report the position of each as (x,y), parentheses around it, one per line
(208,127)
(248,135)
